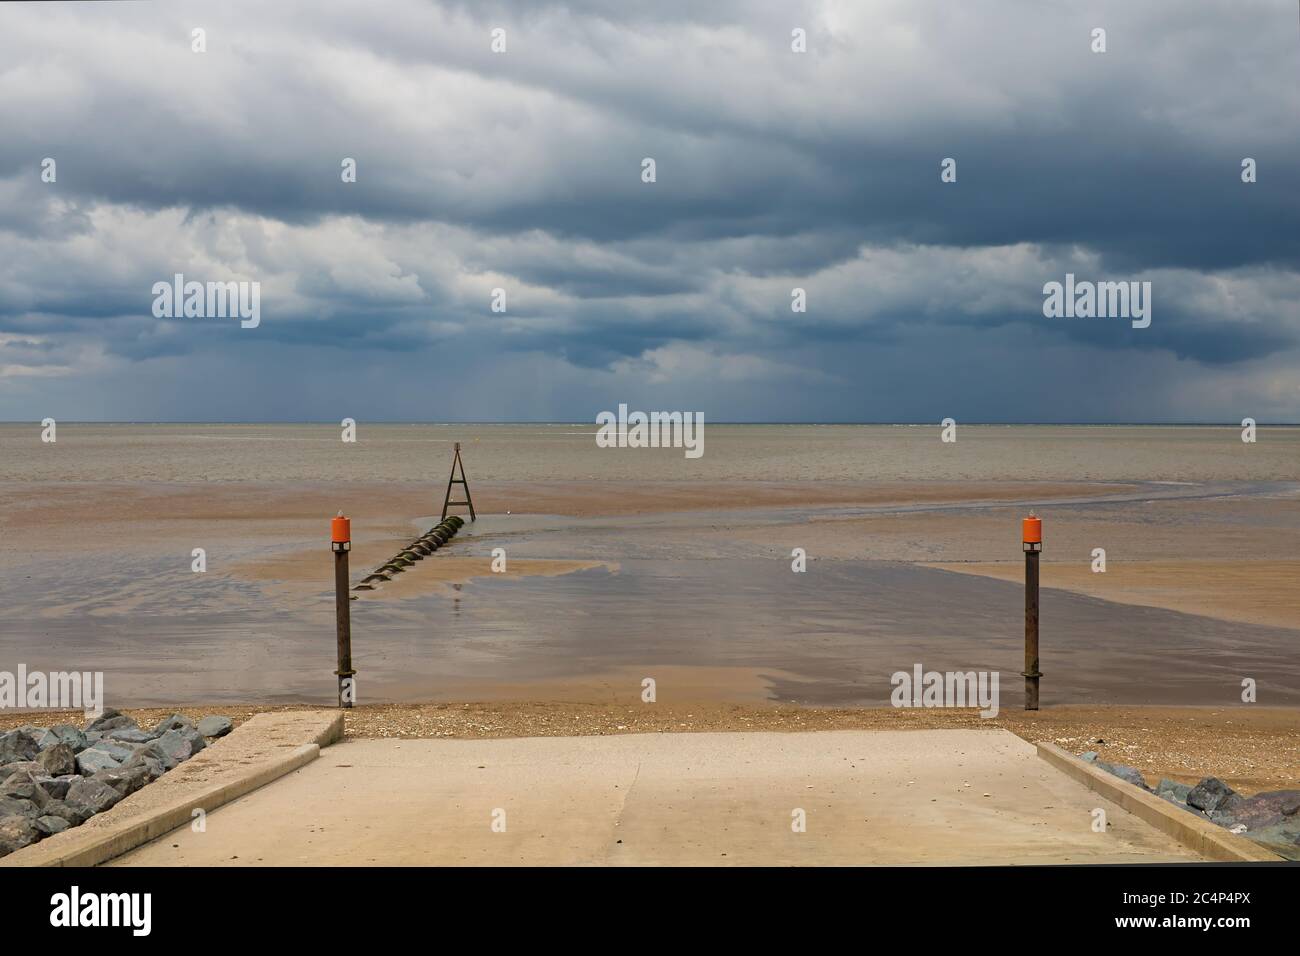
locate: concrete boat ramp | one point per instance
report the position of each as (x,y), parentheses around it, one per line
(893,797)
(952,797)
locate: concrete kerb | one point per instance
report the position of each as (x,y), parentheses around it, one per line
(1188,829)
(147,815)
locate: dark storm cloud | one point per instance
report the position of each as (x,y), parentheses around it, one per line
(521,171)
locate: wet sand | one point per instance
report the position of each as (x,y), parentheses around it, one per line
(654,579)
(56,519)
(1254,592)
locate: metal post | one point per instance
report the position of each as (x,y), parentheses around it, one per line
(1033,545)
(341,543)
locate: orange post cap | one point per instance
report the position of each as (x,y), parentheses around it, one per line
(1033,530)
(340,529)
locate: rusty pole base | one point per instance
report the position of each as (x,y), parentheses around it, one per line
(1031,689)
(343,677)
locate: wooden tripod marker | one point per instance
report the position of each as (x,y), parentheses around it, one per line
(453,480)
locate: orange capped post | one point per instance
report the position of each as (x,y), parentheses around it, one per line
(1032,538)
(1032,529)
(341,544)
(340,530)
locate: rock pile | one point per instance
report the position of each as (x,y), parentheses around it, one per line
(59,777)
(1271,819)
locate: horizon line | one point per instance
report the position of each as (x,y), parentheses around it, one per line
(562,421)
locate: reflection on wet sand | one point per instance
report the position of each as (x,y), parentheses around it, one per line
(613,578)
(832,635)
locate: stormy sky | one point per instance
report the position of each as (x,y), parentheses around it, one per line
(774,170)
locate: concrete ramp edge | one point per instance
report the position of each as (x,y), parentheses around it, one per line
(1188,829)
(259,751)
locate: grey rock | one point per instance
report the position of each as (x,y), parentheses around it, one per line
(152,765)
(120,722)
(49,825)
(1169,797)
(1174,792)
(174,722)
(57,787)
(129,735)
(1278,840)
(57,760)
(1211,794)
(64,734)
(17,745)
(125,780)
(94,795)
(1285,802)
(215,726)
(66,811)
(16,832)
(152,752)
(90,762)
(195,739)
(1129,774)
(175,745)
(110,720)
(1224,819)
(14,807)
(24,786)
(118,751)
(1265,809)
(22,766)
